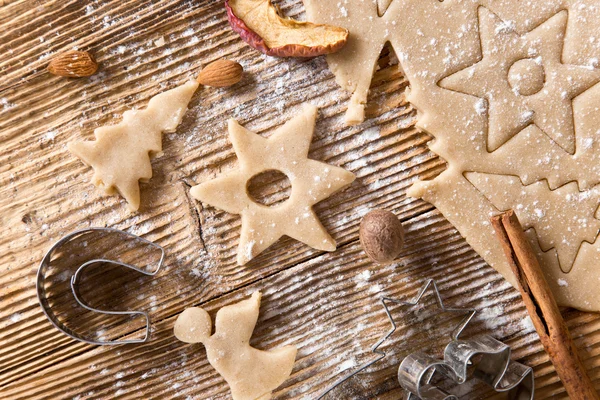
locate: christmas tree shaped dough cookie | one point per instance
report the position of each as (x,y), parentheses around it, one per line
(547,211)
(312,181)
(120,155)
(252,374)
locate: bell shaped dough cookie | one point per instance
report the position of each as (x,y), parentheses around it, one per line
(252,374)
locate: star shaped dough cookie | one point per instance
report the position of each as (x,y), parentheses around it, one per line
(524,80)
(285,151)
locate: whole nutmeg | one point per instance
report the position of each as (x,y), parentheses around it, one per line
(221,73)
(381,236)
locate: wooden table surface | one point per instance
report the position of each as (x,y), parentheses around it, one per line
(327,304)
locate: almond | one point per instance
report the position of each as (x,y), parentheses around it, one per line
(73,64)
(221,73)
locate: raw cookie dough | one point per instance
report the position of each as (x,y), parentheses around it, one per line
(312,181)
(120,155)
(251,374)
(507,88)
(524,81)
(564,207)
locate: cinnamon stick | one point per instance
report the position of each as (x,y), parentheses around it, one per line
(542,308)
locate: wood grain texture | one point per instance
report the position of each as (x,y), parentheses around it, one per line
(326,304)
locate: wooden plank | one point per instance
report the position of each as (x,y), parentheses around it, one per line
(332,336)
(311,298)
(164,219)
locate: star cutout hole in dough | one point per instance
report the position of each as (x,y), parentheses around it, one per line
(524,81)
(286,151)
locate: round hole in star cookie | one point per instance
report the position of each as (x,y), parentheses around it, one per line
(527,77)
(269,188)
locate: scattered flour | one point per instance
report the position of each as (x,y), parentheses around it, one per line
(50,135)
(363,276)
(347,365)
(562,282)
(16,317)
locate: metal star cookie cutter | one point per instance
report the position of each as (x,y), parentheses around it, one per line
(482,357)
(75,280)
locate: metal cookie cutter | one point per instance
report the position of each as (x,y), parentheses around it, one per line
(482,357)
(469,313)
(75,280)
(487,358)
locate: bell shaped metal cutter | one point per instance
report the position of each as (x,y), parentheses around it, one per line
(76,278)
(493,366)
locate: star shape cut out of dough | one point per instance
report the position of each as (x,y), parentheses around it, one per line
(285,151)
(524,80)
(412,305)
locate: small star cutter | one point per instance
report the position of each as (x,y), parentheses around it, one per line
(416,371)
(470,313)
(286,151)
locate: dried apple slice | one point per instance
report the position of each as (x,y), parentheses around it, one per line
(260,25)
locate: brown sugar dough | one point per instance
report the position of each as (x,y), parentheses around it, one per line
(355,63)
(312,181)
(252,374)
(439,46)
(120,155)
